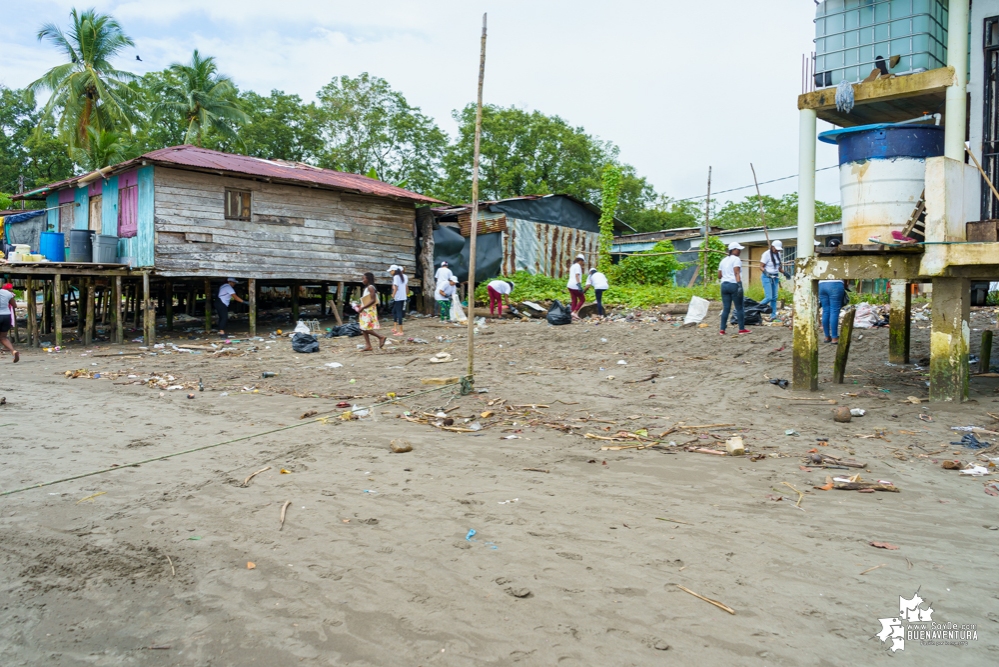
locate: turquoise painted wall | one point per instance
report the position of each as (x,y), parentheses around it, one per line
(145,239)
(51,202)
(109,207)
(81,215)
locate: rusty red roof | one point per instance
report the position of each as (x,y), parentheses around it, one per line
(203,159)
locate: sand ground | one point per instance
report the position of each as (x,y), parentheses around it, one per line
(570,563)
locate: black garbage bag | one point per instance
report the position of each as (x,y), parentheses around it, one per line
(349,329)
(303,342)
(559,314)
(754,312)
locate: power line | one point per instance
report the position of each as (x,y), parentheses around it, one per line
(753,185)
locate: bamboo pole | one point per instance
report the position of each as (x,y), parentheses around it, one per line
(57,310)
(707,232)
(475,209)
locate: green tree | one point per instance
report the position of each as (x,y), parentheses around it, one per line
(103,149)
(653,267)
(781,212)
(203,99)
(523,153)
(665,213)
(611,188)
(25,148)
(365,125)
(281,127)
(87,91)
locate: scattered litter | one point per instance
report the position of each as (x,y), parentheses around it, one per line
(783,384)
(970,441)
(400,446)
(285,471)
(250,565)
(883,545)
(441,358)
(696,310)
(858,412)
(334,364)
(247,480)
(701,597)
(791,431)
(734,446)
(976,471)
(505,502)
(470,535)
(622,362)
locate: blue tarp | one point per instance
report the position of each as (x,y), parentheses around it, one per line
(23,217)
(25,228)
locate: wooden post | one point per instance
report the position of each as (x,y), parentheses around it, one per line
(843,348)
(425,222)
(46,298)
(252,299)
(29,298)
(135,307)
(899,322)
(119,329)
(168,303)
(189,302)
(949,333)
(208,306)
(707,233)
(475,208)
(57,311)
(294,302)
(338,303)
(148,313)
(985,353)
(88,327)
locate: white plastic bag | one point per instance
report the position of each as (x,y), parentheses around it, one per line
(457,312)
(302,327)
(866,316)
(696,311)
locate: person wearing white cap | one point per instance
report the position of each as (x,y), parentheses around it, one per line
(499,290)
(598,281)
(730,275)
(442,294)
(770,265)
(222,301)
(575,285)
(400,297)
(442,278)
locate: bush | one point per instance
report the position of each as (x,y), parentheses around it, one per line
(647,268)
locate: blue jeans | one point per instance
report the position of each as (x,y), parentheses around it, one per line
(770,285)
(731,293)
(831,300)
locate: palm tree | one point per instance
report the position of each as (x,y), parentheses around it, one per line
(203,98)
(103,149)
(87,91)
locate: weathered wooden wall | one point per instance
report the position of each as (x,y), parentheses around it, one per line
(296,233)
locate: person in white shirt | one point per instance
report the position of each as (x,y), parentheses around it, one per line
(499,290)
(222,301)
(7,318)
(442,279)
(575,285)
(443,274)
(400,297)
(444,292)
(598,281)
(730,275)
(770,265)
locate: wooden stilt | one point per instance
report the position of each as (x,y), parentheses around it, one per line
(88,328)
(29,298)
(985,353)
(295,311)
(148,314)
(208,306)
(899,322)
(136,307)
(338,304)
(843,348)
(168,302)
(119,329)
(252,299)
(57,312)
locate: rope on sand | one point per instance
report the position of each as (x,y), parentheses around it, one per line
(463,382)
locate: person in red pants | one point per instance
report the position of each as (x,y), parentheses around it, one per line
(576,285)
(499,290)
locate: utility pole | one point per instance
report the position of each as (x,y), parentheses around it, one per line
(475,210)
(20,188)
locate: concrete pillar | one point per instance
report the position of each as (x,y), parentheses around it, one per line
(957,101)
(949,339)
(899,322)
(805,354)
(806,182)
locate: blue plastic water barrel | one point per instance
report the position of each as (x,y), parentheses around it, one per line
(53,246)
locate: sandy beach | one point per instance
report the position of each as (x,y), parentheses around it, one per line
(522,542)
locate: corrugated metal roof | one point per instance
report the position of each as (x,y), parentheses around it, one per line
(203,159)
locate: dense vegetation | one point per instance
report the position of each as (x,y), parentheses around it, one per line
(95,114)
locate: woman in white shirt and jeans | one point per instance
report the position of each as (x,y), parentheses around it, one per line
(598,281)
(730,274)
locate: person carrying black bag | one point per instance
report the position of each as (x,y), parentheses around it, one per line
(730,275)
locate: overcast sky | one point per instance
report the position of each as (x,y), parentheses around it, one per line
(677,85)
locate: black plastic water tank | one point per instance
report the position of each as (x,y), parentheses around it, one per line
(81,245)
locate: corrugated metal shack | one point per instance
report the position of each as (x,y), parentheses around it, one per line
(540,234)
(186,217)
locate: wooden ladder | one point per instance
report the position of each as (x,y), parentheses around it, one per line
(916,226)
